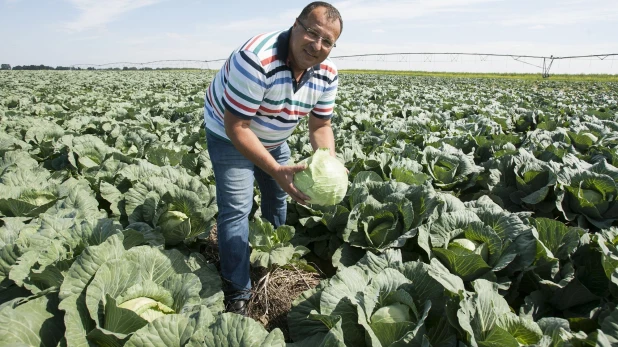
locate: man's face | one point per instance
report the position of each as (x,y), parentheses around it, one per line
(305,51)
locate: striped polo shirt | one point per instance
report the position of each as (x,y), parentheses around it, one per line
(255,83)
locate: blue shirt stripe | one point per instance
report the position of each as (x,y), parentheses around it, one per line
(262,122)
(247,73)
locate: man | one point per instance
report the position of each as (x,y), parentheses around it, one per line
(253,104)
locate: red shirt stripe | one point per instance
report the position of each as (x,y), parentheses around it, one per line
(269,60)
(327,68)
(284,110)
(248,46)
(323,110)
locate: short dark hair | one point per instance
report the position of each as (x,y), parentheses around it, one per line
(331,12)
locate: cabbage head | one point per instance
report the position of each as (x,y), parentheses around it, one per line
(172,219)
(588,197)
(395,313)
(325,180)
(110,292)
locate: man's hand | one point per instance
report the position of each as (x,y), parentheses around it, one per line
(284,175)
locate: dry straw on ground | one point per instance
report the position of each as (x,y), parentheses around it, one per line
(273,292)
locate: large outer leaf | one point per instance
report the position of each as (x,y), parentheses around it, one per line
(27,191)
(498,337)
(78,201)
(113,278)
(582,141)
(388,288)
(300,327)
(87,264)
(338,299)
(424,286)
(524,329)
(230,329)
(77,320)
(112,195)
(73,289)
(559,240)
(173,330)
(381,287)
(333,338)
(31,322)
(507,225)
(556,328)
(142,200)
(335,297)
(15,160)
(487,319)
(49,252)
(120,321)
(468,267)
(425,202)
(211,293)
(609,326)
(449,226)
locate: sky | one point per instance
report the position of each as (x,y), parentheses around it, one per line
(69,32)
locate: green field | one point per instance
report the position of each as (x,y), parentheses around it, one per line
(481,210)
(522,76)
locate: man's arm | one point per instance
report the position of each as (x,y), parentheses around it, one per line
(247,143)
(321,134)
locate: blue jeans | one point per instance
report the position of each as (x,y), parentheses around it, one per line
(234,177)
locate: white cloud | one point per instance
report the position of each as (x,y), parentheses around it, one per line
(168,38)
(95,14)
(85,38)
(378,31)
(571,13)
(254,25)
(393,9)
(537,27)
(261,24)
(366,12)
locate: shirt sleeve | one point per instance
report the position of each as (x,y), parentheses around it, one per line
(246,85)
(326,104)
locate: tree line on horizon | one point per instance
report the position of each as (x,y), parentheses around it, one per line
(45,67)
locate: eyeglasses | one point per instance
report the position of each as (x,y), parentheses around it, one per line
(314,36)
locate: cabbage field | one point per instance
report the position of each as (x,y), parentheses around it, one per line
(479,212)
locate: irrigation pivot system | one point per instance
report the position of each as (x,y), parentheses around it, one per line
(544,63)
(547,62)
